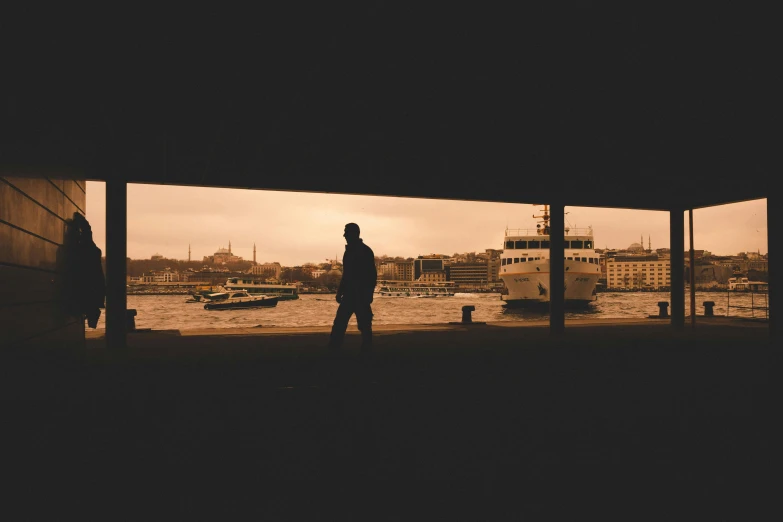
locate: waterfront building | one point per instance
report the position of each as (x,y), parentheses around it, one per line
(433,277)
(493,263)
(396,270)
(759,264)
(161,276)
(639,272)
(430,263)
(267,269)
(468,275)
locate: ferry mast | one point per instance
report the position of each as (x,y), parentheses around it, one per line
(545,220)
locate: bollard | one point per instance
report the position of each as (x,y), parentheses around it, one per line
(466,318)
(130,322)
(708,305)
(663,309)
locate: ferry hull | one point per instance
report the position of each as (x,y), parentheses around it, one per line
(241,304)
(531,289)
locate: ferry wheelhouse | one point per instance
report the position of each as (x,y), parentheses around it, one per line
(391,288)
(525,266)
(254,286)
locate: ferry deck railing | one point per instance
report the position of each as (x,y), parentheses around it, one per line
(570,231)
(753,307)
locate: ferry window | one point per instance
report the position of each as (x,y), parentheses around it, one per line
(502,262)
(584,260)
(509,244)
(534,244)
(545,244)
(588,243)
(538,258)
(570,258)
(577,243)
(520,244)
(516,260)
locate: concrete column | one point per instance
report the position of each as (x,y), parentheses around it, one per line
(677,247)
(692,270)
(116,267)
(556,269)
(774,267)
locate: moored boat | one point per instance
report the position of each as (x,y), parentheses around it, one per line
(252,286)
(740,283)
(392,288)
(238,300)
(525,266)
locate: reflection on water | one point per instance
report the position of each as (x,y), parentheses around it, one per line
(173,312)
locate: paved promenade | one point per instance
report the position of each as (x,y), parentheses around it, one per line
(612,420)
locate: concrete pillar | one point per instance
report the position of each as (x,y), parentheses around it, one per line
(556,269)
(677,247)
(116,267)
(774,267)
(692,269)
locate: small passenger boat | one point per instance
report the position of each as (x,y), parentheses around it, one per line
(238,300)
(256,287)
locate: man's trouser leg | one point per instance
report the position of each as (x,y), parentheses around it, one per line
(364,322)
(339,325)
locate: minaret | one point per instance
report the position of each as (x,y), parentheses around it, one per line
(229,247)
(649,244)
(254,253)
(188,252)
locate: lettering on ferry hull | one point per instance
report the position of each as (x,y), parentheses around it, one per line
(521,279)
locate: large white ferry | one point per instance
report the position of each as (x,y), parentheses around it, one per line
(390,288)
(525,266)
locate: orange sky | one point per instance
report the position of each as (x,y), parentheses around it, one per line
(297,227)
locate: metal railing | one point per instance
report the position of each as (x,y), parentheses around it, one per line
(569,231)
(752,307)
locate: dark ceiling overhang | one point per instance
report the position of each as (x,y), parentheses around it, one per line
(588,107)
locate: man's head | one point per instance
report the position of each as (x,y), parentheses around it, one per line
(351,233)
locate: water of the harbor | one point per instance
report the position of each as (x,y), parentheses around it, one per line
(174,312)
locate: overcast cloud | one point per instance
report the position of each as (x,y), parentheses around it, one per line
(294,228)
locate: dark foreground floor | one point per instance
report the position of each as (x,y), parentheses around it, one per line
(477,424)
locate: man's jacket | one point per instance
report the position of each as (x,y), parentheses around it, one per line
(359,273)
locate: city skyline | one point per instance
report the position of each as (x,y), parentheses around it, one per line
(294,228)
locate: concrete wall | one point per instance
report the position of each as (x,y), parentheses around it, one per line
(34,214)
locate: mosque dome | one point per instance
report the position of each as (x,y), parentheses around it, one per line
(636,247)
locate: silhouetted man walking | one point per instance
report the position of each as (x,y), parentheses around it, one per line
(355,291)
